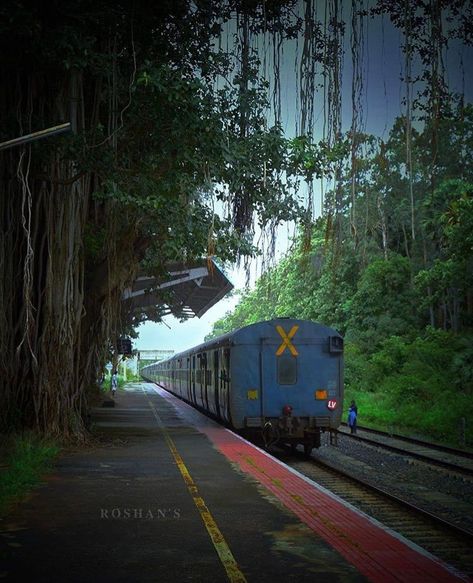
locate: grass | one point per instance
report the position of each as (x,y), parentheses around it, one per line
(25,459)
(432,419)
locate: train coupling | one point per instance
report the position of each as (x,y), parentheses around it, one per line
(287,423)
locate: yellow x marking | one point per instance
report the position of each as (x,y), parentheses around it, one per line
(286,340)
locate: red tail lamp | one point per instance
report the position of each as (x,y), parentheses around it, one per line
(287,410)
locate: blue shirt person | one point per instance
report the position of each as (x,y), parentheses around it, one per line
(352,416)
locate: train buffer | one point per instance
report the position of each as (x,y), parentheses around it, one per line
(166,494)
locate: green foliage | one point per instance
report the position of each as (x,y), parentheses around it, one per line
(383,304)
(404,305)
(440,417)
(172,123)
(26,460)
(315,160)
(423,385)
(461,367)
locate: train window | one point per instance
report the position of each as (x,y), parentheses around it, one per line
(287,369)
(335,344)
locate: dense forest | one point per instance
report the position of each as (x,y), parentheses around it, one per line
(177,151)
(399,286)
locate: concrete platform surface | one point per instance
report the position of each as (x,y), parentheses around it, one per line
(168,495)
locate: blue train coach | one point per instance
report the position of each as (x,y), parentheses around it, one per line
(281,379)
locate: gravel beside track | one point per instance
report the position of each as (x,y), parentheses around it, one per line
(436,490)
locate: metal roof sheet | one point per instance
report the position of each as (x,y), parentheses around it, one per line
(186,291)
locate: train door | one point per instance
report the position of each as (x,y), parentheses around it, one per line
(205,382)
(225,381)
(211,386)
(200,380)
(193,375)
(178,376)
(280,373)
(216,379)
(188,380)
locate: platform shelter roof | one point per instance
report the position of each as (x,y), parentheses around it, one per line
(185,291)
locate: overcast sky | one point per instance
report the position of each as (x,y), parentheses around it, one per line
(180,336)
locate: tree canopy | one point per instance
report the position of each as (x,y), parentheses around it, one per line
(404,306)
(167,124)
(178,151)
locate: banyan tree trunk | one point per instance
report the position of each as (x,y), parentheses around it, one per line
(53,336)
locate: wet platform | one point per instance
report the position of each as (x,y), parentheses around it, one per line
(168,495)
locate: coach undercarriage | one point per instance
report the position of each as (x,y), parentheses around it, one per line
(289,430)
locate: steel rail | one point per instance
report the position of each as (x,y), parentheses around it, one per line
(396,513)
(379,491)
(458,530)
(408,453)
(416,441)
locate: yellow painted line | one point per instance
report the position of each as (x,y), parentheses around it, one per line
(286,343)
(226,557)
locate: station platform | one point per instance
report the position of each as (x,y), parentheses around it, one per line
(169,495)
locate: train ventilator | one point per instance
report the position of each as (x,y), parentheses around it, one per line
(281,379)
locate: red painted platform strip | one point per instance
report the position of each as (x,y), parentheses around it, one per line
(375,551)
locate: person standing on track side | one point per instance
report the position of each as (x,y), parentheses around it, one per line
(352,416)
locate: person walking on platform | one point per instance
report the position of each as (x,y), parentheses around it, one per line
(114,382)
(352,416)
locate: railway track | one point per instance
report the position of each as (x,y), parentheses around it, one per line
(451,459)
(443,539)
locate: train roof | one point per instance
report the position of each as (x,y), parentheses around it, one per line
(245,334)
